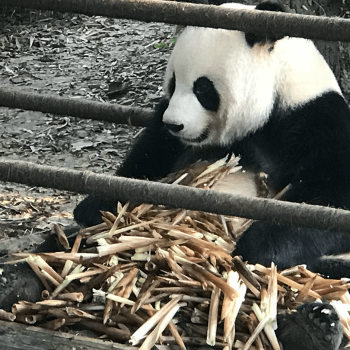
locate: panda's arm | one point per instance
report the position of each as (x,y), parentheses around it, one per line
(154,152)
(308,148)
(153,155)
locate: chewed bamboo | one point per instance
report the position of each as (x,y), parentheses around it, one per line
(7,316)
(213,316)
(151,322)
(156,333)
(75,296)
(151,274)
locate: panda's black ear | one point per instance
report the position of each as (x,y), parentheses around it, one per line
(253,39)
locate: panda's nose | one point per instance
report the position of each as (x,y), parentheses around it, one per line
(174,127)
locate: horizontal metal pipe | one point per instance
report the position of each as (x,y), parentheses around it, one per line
(84,109)
(257,22)
(114,188)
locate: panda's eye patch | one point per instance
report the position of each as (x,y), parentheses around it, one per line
(202,86)
(206,94)
(171,85)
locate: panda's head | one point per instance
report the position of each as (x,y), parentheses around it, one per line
(223,85)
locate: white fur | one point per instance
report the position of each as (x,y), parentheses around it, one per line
(247,80)
(302,73)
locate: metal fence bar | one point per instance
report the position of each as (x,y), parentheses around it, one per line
(113,187)
(257,22)
(79,108)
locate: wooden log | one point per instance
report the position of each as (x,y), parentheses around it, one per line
(17,336)
(35,338)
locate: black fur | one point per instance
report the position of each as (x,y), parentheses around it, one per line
(206,2)
(171,85)
(206,94)
(270,6)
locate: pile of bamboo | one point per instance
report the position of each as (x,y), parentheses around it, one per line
(152,275)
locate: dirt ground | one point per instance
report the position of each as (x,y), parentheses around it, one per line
(107,60)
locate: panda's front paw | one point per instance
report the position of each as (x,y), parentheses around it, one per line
(88,212)
(315,326)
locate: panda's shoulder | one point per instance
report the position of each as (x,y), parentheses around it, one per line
(325,115)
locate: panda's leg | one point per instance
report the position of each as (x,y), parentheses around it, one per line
(314,326)
(334,266)
(19,282)
(286,246)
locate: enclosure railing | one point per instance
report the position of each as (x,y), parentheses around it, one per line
(175,196)
(113,113)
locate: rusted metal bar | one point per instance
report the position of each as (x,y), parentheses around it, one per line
(84,109)
(257,22)
(113,188)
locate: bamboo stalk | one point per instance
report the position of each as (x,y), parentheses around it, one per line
(61,236)
(162,324)
(287,281)
(152,321)
(112,332)
(7,316)
(213,316)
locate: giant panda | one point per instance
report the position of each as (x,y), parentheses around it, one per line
(275,102)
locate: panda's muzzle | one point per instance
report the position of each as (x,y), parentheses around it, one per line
(174,127)
(204,135)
